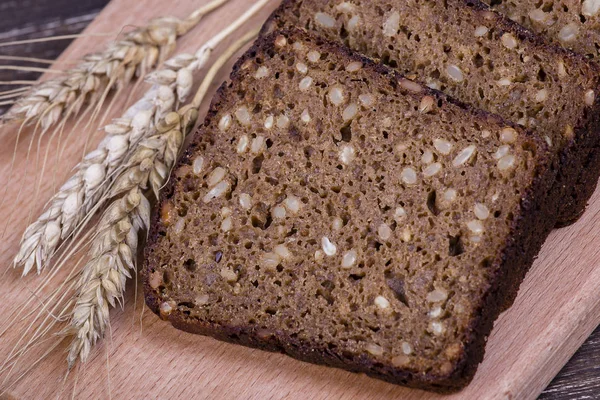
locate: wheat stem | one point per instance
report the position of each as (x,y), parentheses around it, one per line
(54,38)
(112,254)
(35,60)
(30,69)
(17,82)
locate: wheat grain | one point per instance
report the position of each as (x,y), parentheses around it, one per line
(81,195)
(113,250)
(86,84)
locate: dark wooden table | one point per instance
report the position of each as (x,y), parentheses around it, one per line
(28,19)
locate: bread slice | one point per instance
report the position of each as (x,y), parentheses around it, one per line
(482,58)
(574,24)
(332,210)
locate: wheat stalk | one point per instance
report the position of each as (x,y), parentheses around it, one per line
(84,191)
(89,83)
(113,250)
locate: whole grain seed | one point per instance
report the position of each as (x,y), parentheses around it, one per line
(509,41)
(279,212)
(408,176)
(589,97)
(399,213)
(269,121)
(337,224)
(501,152)
(353,23)
(302,68)
(350,112)
(432,169)
(437,328)
(506,162)
(455,73)
(215,176)
(347,154)
(245,201)
(538,15)
(198,165)
(391,24)
(258,145)
(481,31)
(354,66)
(427,157)
(366,99)
(313,56)
(464,156)
(442,146)
(242,115)
(349,259)
(325,20)
(283,121)
(225,122)
(282,251)
(292,203)
(328,247)
(475,226)
(450,195)
(336,95)
(243,143)
(435,312)
(437,295)
(568,33)
(270,261)
(426,104)
(481,211)
(305,83)
(261,72)
(590,8)
(219,190)
(508,135)
(305,116)
(382,302)
(384,231)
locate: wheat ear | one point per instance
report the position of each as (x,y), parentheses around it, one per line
(135,54)
(113,251)
(84,192)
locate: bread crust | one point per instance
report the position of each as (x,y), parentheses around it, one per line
(529,230)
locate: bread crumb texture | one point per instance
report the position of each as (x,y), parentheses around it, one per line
(361,215)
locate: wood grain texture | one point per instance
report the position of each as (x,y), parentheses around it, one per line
(555,311)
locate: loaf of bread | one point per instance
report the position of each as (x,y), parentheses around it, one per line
(574,24)
(482,58)
(332,210)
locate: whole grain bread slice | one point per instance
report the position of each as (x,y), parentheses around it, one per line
(330,209)
(574,24)
(480,57)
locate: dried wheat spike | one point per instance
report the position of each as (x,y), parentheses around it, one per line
(115,244)
(113,248)
(137,53)
(80,195)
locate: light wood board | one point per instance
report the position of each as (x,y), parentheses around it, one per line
(557,308)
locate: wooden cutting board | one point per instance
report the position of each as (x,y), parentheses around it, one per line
(557,308)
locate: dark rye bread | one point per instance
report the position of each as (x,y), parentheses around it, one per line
(574,24)
(332,210)
(482,58)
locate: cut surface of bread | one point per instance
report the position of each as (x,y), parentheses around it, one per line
(574,24)
(482,58)
(332,210)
